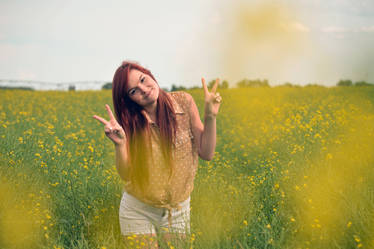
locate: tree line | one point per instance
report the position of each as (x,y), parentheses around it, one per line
(225,84)
(254,83)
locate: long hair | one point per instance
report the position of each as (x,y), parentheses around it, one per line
(129,116)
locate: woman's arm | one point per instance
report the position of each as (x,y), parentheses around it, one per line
(122,161)
(116,133)
(205,135)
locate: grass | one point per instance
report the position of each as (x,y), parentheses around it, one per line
(292,169)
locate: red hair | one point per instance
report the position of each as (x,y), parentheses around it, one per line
(129,116)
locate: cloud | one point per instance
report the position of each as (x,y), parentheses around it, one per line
(215,18)
(296,27)
(369,29)
(26,75)
(335,29)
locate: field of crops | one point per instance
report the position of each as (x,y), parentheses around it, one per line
(294,168)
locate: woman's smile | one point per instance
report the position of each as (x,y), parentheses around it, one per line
(142,89)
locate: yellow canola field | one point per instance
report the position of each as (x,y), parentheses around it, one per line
(293,169)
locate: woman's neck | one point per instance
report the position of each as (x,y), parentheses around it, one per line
(151,111)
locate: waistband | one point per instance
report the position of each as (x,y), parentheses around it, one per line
(167,206)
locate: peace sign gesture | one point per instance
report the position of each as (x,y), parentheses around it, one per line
(112,129)
(212,99)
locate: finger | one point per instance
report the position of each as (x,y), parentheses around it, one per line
(103,121)
(204,86)
(108,130)
(214,88)
(110,112)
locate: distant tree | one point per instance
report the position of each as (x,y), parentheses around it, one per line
(242,83)
(253,83)
(107,85)
(177,88)
(71,87)
(165,89)
(194,87)
(344,83)
(313,85)
(224,84)
(287,84)
(17,88)
(363,83)
(265,83)
(211,83)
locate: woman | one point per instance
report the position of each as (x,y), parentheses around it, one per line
(158,137)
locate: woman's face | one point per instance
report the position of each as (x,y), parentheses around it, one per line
(141,88)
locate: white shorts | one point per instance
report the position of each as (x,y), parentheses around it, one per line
(137,217)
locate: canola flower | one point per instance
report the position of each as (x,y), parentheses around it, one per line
(282,175)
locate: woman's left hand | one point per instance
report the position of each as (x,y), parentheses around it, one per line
(212,99)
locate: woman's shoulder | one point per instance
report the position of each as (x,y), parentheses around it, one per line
(181,95)
(182,98)
(178,93)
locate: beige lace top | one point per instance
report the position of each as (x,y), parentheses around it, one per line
(163,192)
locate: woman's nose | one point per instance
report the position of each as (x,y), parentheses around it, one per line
(142,88)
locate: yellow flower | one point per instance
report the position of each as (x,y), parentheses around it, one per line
(90,148)
(54,184)
(317,135)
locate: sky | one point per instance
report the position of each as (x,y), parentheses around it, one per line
(296,41)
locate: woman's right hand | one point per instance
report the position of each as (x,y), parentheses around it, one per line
(112,129)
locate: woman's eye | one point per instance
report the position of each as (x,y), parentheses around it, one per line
(132,91)
(142,80)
